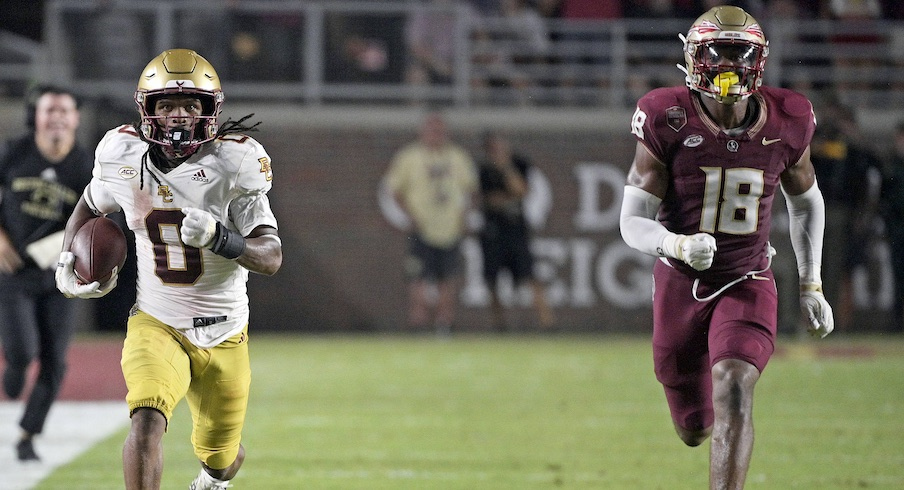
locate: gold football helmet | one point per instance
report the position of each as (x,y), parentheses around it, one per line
(724,53)
(179,72)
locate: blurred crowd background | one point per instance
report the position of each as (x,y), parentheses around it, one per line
(462,52)
(340,85)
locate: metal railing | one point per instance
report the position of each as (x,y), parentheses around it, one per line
(19,55)
(335,52)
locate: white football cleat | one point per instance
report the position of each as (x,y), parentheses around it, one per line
(206,482)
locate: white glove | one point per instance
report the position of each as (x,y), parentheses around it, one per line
(198,228)
(68,283)
(695,250)
(814,306)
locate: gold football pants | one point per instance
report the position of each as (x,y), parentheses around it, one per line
(161,367)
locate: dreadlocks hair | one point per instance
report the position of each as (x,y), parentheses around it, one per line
(156,154)
(231,127)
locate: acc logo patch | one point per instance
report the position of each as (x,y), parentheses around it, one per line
(676,117)
(693,140)
(127,172)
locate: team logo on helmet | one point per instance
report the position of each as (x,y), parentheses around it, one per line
(704,27)
(755,30)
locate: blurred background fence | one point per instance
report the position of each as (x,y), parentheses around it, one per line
(340,85)
(334,51)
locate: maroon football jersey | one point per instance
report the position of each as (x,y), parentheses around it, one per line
(723,184)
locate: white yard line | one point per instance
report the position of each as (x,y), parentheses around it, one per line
(71,429)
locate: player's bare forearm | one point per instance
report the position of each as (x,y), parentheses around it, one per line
(10,261)
(648,173)
(263,251)
(799,177)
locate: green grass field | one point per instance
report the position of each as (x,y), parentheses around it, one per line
(533,413)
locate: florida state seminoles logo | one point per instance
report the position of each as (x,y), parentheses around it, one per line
(704,27)
(676,117)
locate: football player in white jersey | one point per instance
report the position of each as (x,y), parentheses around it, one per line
(194,192)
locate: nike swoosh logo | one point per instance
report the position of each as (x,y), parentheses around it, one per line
(769,142)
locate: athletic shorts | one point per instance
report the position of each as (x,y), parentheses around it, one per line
(424,261)
(689,336)
(161,367)
(505,249)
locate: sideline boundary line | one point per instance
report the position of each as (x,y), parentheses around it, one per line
(71,429)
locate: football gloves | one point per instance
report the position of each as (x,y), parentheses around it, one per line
(813,304)
(696,250)
(198,228)
(69,285)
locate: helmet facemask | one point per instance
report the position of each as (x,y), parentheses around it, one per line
(725,52)
(179,143)
(179,72)
(728,71)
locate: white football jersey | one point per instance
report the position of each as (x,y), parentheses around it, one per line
(201,294)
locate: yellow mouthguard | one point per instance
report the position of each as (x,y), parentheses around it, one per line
(725,80)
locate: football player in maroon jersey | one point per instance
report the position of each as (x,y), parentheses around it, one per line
(709,160)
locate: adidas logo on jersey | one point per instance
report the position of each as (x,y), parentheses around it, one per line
(200,176)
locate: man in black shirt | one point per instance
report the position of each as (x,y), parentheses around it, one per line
(505,238)
(42,175)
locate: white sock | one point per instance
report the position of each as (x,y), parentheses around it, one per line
(207,479)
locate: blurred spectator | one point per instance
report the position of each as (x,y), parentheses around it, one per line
(430,35)
(848,173)
(42,175)
(892,208)
(364,48)
(585,66)
(508,44)
(266,45)
(434,182)
(505,237)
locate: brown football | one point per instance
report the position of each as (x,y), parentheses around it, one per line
(99,246)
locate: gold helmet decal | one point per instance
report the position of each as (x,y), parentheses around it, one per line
(179,72)
(725,52)
(177,68)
